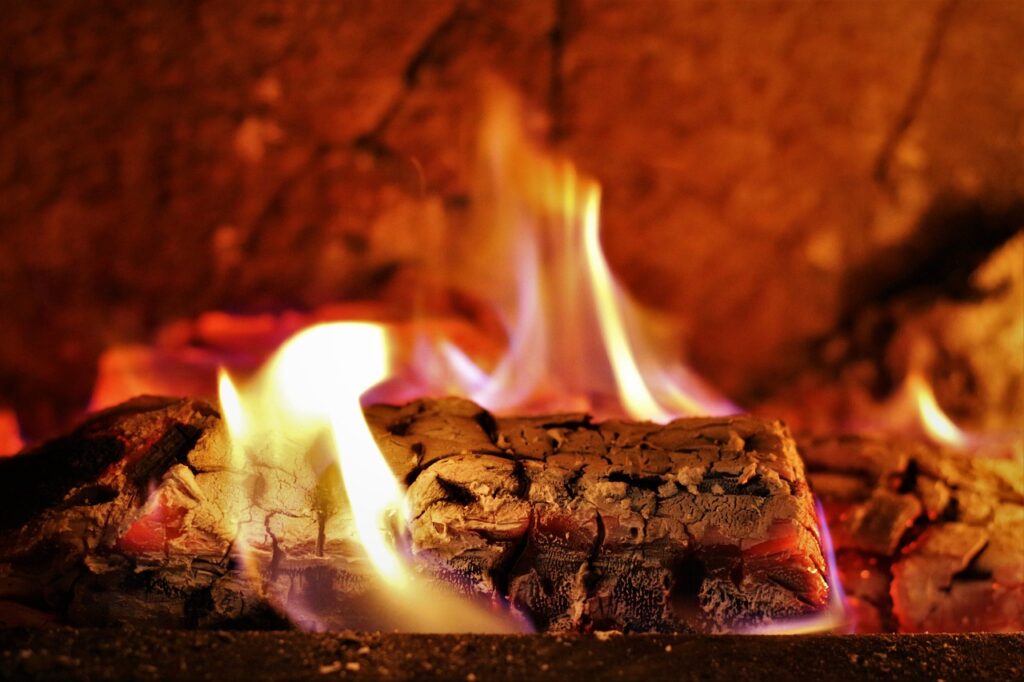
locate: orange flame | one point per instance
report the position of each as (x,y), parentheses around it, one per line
(321,372)
(930,416)
(576,339)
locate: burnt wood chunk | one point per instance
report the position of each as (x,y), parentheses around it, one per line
(701,524)
(698,525)
(927,539)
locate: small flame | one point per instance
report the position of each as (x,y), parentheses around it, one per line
(234,416)
(914,410)
(936,424)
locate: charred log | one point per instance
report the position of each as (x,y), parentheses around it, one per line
(703,524)
(926,539)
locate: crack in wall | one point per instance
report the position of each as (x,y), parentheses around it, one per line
(421,56)
(556,86)
(915,96)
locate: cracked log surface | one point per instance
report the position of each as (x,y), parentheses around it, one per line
(703,524)
(926,539)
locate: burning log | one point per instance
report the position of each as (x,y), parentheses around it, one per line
(926,539)
(144,515)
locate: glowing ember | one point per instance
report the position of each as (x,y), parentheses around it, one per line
(836,616)
(10,437)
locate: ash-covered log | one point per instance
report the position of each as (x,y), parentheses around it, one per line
(143,515)
(927,539)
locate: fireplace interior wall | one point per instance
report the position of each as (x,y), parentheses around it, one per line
(769,169)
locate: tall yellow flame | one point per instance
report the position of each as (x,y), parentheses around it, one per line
(633,390)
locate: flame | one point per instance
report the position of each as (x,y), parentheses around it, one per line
(935,423)
(315,381)
(913,407)
(233,412)
(323,371)
(314,384)
(913,410)
(574,340)
(633,390)
(577,341)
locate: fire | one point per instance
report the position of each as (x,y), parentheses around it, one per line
(577,341)
(935,423)
(312,385)
(633,390)
(322,372)
(233,411)
(315,382)
(574,339)
(913,407)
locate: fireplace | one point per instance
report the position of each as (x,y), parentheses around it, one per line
(568,322)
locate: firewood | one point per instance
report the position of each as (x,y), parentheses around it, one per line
(927,539)
(140,516)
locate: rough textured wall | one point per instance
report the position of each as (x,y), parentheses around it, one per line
(158,159)
(758,155)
